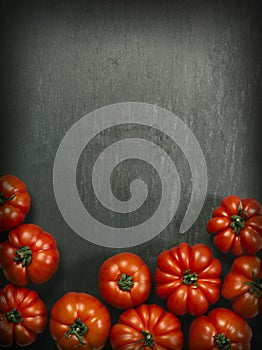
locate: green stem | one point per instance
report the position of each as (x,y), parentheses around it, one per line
(23,255)
(125,282)
(190,278)
(14,316)
(78,329)
(238,221)
(3,199)
(222,342)
(255,286)
(147,339)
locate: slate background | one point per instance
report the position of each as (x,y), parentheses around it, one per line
(63,59)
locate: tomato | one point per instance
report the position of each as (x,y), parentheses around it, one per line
(147,327)
(221,329)
(29,255)
(23,316)
(236,226)
(79,321)
(124,280)
(243,286)
(14,202)
(188,277)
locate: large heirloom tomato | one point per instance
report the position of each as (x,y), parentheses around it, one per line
(124,280)
(14,202)
(188,277)
(29,255)
(237,226)
(243,286)
(147,327)
(23,316)
(221,329)
(79,321)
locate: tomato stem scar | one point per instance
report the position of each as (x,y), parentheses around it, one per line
(238,221)
(125,282)
(14,316)
(190,278)
(222,342)
(23,255)
(78,329)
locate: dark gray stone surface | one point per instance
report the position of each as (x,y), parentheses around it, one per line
(60,60)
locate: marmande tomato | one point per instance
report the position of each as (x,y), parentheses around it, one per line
(14,202)
(23,316)
(236,226)
(243,286)
(147,327)
(188,277)
(29,255)
(124,280)
(79,321)
(221,329)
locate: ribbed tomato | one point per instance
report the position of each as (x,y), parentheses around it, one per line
(29,255)
(23,316)
(14,202)
(147,327)
(236,226)
(79,321)
(188,277)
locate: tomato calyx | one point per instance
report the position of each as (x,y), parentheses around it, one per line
(3,199)
(14,316)
(255,286)
(23,255)
(78,329)
(147,339)
(125,282)
(222,342)
(190,278)
(238,221)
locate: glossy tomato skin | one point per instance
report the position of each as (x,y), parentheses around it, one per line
(236,226)
(243,286)
(147,327)
(220,325)
(188,277)
(23,316)
(83,313)
(124,280)
(29,255)
(14,202)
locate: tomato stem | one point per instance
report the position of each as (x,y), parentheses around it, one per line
(222,342)
(78,329)
(147,339)
(23,255)
(3,199)
(190,278)
(125,282)
(238,221)
(256,285)
(14,316)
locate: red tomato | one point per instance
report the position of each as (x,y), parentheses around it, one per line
(222,329)
(124,280)
(14,202)
(147,327)
(22,316)
(243,286)
(188,277)
(237,226)
(30,255)
(79,321)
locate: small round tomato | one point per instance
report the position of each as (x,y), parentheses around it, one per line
(23,316)
(14,202)
(124,280)
(221,329)
(236,226)
(29,255)
(243,286)
(147,327)
(188,277)
(79,321)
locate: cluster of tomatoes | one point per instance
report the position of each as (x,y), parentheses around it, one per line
(187,277)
